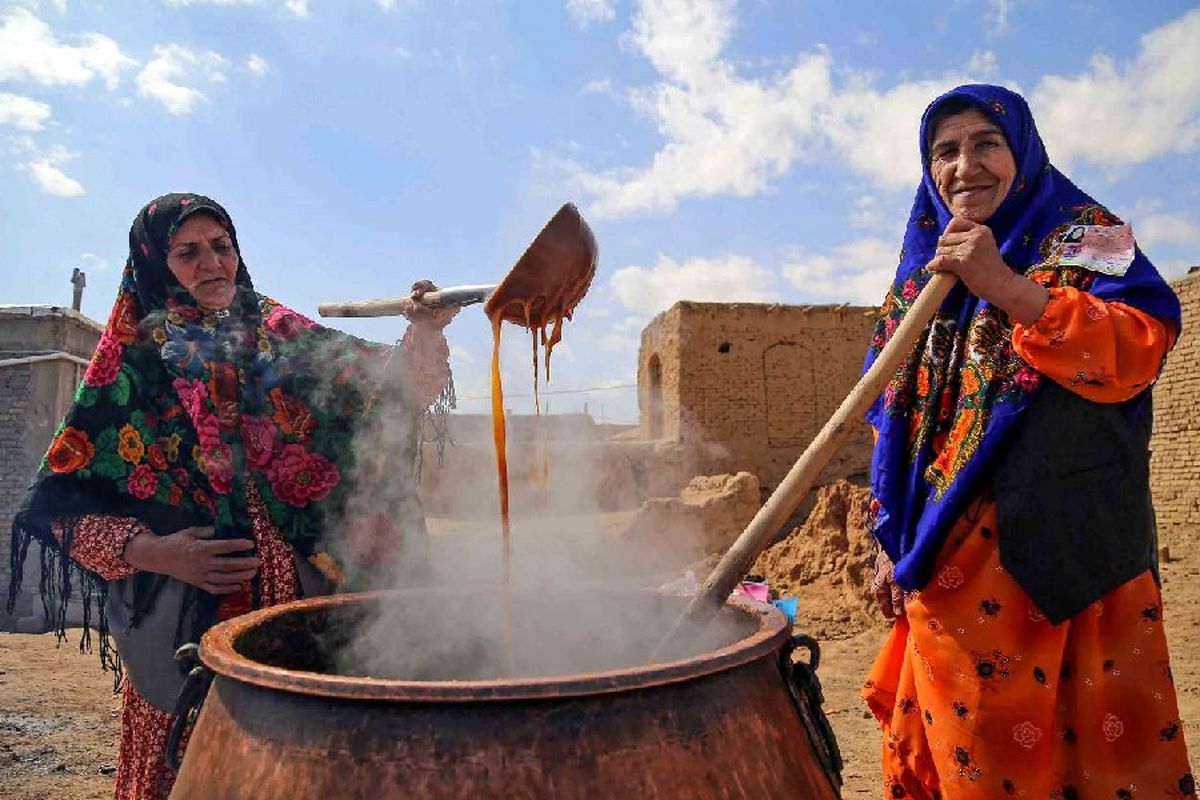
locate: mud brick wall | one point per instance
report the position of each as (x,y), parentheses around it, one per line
(749,385)
(15,467)
(1175,446)
(33,398)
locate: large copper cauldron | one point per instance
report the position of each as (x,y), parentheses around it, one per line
(291,713)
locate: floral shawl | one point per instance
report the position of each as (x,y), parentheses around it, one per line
(180,407)
(954,402)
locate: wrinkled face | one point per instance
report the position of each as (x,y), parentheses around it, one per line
(203,259)
(971,164)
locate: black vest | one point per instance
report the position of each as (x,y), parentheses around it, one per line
(1073,506)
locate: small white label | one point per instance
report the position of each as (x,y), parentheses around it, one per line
(1107,249)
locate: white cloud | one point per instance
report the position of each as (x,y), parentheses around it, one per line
(58,5)
(996,16)
(869,214)
(983,64)
(1166,229)
(728,134)
(729,278)
(90,262)
(257,64)
(210,2)
(297,7)
(585,12)
(45,172)
(1175,267)
(53,180)
(171,62)
(859,271)
(867,38)
(743,131)
(564,353)
(23,112)
(460,355)
(724,133)
(29,50)
(1121,114)
(598,86)
(875,132)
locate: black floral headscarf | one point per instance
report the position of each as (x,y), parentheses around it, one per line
(182,406)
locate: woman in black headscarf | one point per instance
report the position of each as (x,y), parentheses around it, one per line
(207,462)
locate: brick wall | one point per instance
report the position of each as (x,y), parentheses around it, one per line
(15,467)
(1175,463)
(33,398)
(755,381)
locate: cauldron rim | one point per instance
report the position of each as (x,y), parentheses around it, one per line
(219,654)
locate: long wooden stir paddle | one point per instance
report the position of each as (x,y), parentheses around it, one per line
(796,484)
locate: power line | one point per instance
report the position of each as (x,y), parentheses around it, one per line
(556,391)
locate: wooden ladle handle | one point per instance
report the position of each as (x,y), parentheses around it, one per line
(800,478)
(452,296)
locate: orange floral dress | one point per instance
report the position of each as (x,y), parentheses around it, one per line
(978,695)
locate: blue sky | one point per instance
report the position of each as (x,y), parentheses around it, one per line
(746,150)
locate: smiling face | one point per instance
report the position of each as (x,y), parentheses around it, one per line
(203,259)
(971,165)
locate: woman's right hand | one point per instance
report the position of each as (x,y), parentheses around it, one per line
(433,318)
(193,556)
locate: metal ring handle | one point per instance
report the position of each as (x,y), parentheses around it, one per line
(191,697)
(808,643)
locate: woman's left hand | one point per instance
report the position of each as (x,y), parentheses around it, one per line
(419,314)
(888,594)
(372,538)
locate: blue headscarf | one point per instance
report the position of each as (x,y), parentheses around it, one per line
(958,396)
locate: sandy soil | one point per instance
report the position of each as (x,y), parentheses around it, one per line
(58,716)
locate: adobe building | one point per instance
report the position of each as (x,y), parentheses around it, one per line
(736,387)
(1175,446)
(43,353)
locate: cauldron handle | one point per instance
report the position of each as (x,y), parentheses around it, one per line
(805,689)
(191,696)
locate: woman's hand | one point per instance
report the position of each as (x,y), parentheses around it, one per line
(193,556)
(421,315)
(969,250)
(887,592)
(372,538)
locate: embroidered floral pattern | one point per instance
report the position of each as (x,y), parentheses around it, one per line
(71,450)
(1027,734)
(1113,728)
(105,364)
(950,577)
(141,419)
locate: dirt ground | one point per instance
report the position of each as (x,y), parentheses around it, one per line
(59,718)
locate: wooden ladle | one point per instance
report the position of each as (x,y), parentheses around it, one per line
(544,285)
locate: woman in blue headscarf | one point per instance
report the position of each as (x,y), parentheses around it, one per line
(1010,483)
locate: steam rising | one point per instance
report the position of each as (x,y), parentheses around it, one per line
(580,587)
